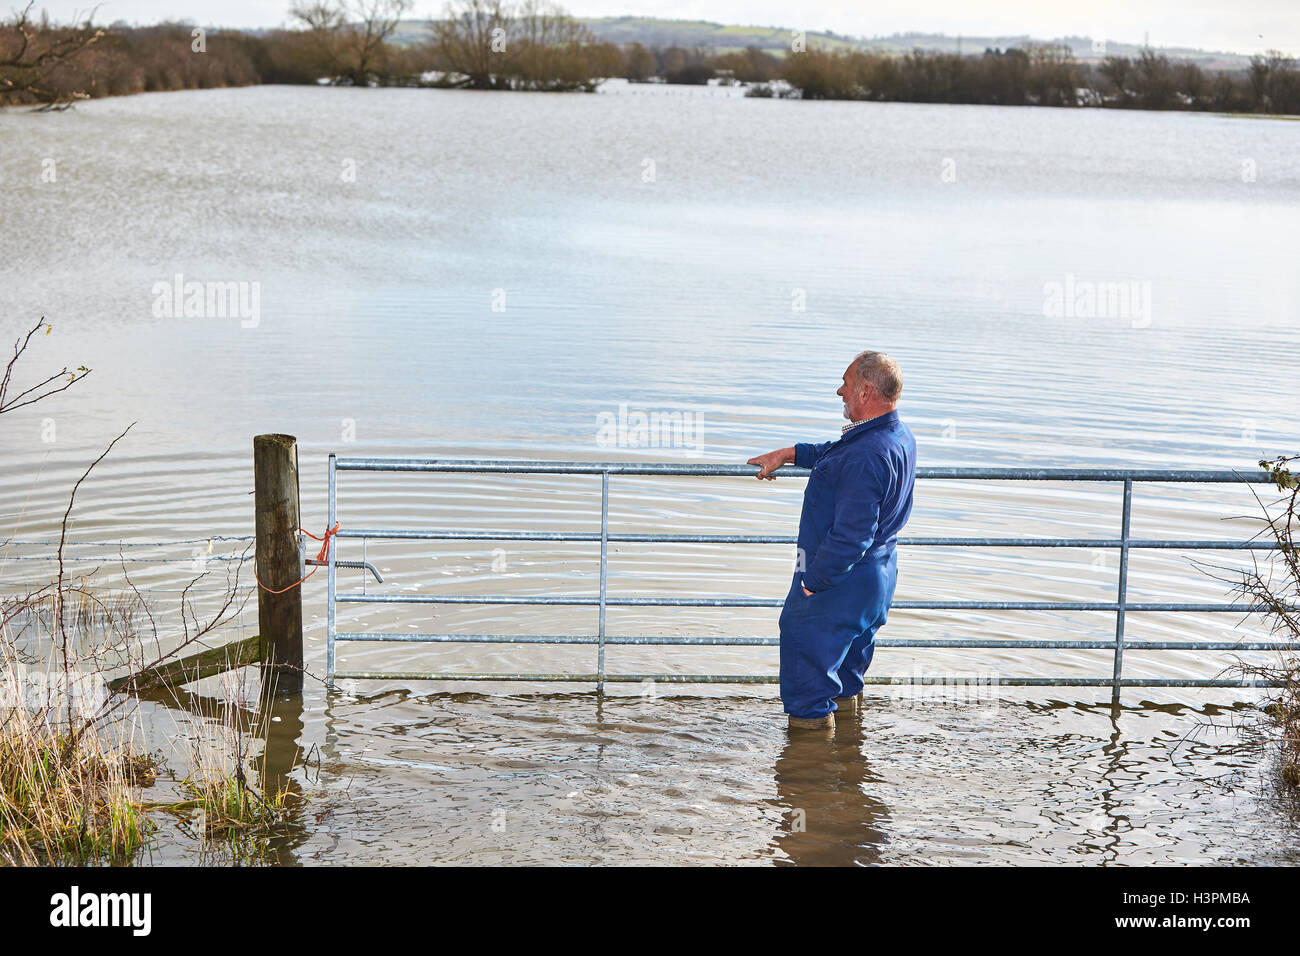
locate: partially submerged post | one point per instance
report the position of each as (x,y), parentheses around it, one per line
(276,523)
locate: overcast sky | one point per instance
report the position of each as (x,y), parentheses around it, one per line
(1245,26)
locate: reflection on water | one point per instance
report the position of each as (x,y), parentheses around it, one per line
(379,336)
(401,778)
(278,770)
(824,781)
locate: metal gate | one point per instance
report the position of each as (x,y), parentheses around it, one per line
(1121,606)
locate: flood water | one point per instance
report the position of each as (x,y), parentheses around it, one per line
(447,274)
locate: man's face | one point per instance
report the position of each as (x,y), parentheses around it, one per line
(855,395)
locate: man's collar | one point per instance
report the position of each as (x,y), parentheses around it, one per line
(890,416)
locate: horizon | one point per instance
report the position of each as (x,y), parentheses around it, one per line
(1164,24)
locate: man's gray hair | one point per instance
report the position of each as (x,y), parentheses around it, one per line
(880,371)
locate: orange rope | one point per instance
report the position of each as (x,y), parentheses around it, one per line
(322,557)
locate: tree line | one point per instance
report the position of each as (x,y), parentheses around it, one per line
(1043,75)
(482,44)
(535,45)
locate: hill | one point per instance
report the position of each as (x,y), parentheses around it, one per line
(720,37)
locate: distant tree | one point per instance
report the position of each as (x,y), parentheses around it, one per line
(751,65)
(882,77)
(1154,79)
(1228,95)
(692,67)
(1118,74)
(285,56)
(1190,81)
(821,75)
(935,77)
(549,48)
(319,50)
(365,37)
(1284,85)
(534,45)
(605,60)
(1258,74)
(472,39)
(1053,75)
(920,83)
(639,63)
(1274,83)
(1005,76)
(351,36)
(671,60)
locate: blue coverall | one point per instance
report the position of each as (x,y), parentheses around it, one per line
(858,498)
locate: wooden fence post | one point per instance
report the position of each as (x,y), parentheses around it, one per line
(276,522)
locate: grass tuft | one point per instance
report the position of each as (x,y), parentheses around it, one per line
(69,801)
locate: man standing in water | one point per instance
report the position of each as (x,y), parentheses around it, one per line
(858,498)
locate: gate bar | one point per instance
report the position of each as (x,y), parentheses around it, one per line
(1126,522)
(1125,543)
(604,563)
(506,466)
(772,679)
(332,585)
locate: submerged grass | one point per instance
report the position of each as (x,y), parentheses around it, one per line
(1283,715)
(223,805)
(1273,586)
(231,806)
(66,800)
(73,776)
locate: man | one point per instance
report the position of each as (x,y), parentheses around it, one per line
(858,498)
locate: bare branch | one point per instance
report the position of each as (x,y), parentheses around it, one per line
(38,51)
(20,346)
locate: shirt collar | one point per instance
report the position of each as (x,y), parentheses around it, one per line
(878,420)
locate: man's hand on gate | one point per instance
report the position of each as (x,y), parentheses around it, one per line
(772,461)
